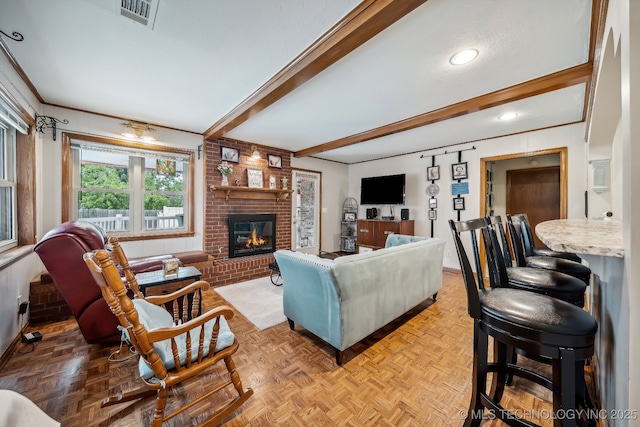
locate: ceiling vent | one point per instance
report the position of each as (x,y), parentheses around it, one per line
(140,11)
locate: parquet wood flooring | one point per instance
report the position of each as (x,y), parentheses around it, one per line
(414,372)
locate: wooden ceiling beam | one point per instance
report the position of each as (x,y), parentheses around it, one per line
(368,19)
(559,80)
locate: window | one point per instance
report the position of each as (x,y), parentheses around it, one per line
(8,217)
(129,189)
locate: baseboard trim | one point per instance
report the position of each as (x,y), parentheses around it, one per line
(12,347)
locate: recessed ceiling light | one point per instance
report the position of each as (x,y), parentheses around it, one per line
(508,116)
(464,57)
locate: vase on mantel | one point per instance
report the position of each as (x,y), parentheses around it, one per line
(225,180)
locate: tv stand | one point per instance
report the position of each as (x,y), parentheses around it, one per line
(372,233)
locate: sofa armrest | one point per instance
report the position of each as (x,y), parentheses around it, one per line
(310,296)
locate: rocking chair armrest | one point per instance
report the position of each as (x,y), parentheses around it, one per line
(162,299)
(161,334)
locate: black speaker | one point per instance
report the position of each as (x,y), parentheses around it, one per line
(372,213)
(404,214)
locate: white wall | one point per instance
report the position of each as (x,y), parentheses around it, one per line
(334,191)
(571,136)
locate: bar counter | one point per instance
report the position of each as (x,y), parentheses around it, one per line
(583,236)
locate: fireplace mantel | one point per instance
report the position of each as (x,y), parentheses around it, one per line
(235,192)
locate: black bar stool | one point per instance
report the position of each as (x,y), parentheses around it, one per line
(548,282)
(527,240)
(538,325)
(572,268)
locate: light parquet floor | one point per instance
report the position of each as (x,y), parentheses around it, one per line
(413,372)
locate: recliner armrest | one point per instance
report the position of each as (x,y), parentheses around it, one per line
(143,265)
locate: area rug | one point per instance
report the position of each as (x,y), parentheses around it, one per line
(258,300)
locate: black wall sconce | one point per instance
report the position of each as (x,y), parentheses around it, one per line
(43,122)
(15,36)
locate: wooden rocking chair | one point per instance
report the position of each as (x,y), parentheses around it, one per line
(170,353)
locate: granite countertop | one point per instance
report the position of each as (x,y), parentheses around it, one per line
(583,236)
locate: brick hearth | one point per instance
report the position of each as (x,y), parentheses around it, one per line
(225,270)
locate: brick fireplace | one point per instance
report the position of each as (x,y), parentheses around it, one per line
(218,208)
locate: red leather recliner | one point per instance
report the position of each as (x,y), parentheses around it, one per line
(61,251)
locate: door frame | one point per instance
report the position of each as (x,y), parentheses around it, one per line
(293,208)
(564,179)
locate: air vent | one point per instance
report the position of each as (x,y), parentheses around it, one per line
(140,11)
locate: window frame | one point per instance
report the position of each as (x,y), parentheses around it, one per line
(67,184)
(9,179)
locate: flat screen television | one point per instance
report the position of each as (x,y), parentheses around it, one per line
(382,190)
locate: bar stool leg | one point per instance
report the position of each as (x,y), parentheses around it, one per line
(500,354)
(479,377)
(564,389)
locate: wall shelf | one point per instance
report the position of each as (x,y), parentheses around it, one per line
(234,192)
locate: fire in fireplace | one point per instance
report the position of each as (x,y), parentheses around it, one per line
(251,234)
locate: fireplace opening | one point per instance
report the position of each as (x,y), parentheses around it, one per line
(251,234)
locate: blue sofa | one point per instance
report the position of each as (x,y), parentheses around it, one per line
(346,299)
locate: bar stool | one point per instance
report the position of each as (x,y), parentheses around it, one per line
(527,239)
(572,268)
(542,281)
(538,325)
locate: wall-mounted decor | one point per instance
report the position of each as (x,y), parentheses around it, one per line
(433,215)
(459,171)
(274,161)
(254,176)
(230,155)
(166,167)
(458,203)
(433,173)
(459,188)
(433,203)
(433,190)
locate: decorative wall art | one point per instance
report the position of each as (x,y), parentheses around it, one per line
(433,173)
(433,203)
(230,154)
(254,176)
(433,215)
(458,203)
(274,161)
(459,171)
(166,167)
(433,190)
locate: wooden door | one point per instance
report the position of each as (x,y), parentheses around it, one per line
(535,192)
(305,233)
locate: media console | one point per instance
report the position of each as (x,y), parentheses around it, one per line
(372,233)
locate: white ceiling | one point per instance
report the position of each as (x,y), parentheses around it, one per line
(204,57)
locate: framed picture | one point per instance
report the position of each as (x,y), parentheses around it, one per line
(254,176)
(230,155)
(274,161)
(433,173)
(459,170)
(458,203)
(433,215)
(433,203)
(166,167)
(349,216)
